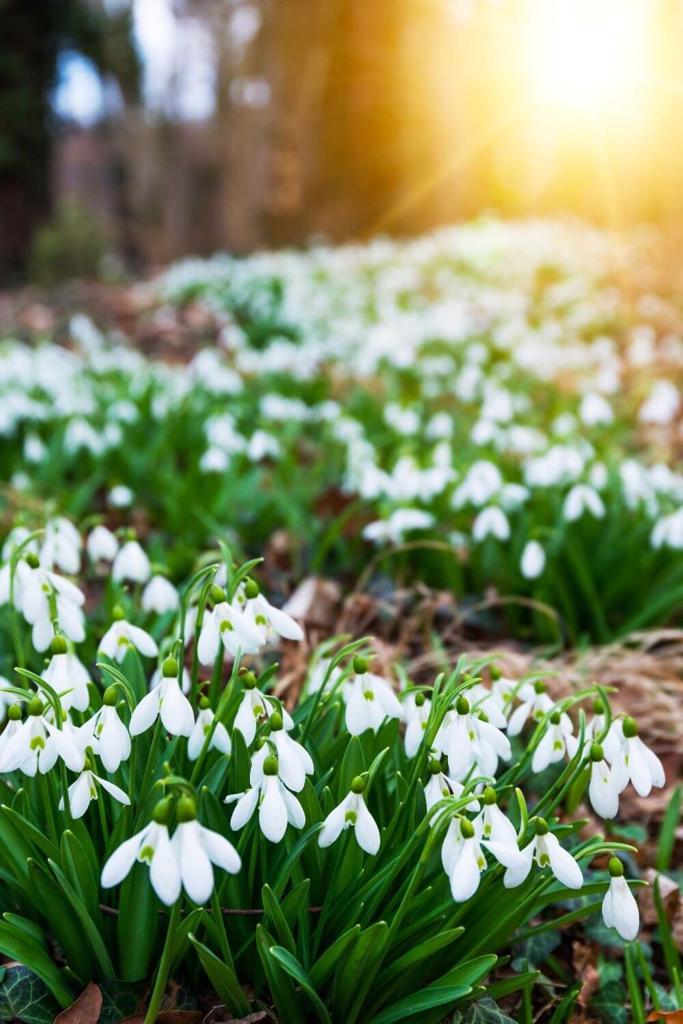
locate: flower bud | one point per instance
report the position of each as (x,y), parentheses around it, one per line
(462,706)
(270,765)
(490,796)
(35,706)
(275,721)
(419,700)
(358,784)
(598,706)
(597,753)
(109,697)
(14,712)
(495,673)
(466,829)
(117,613)
(186,809)
(204,703)
(540,826)
(434,766)
(360,664)
(539,686)
(58,644)
(555,718)
(251,589)
(169,668)
(630,727)
(162,812)
(217,594)
(615,867)
(249,680)
(32,560)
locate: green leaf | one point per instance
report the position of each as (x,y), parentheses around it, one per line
(325,964)
(17,945)
(359,963)
(276,918)
(222,978)
(120,999)
(417,1003)
(484,1011)
(63,921)
(290,964)
(419,953)
(138,924)
(24,997)
(280,986)
(667,833)
(90,932)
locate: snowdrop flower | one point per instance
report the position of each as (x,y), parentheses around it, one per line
(318,673)
(220,740)
(13,725)
(462,858)
(470,742)
(582,499)
(619,907)
(166,701)
(254,706)
(277,807)
(535,704)
(554,742)
(636,763)
(602,789)
(151,846)
(229,625)
(37,590)
(490,702)
(84,789)
(120,496)
(197,848)
(668,531)
(353,813)
(595,410)
(186,682)
(532,562)
(101,545)
(416,709)
(160,596)
(440,786)
(62,546)
(67,674)
(37,744)
(369,700)
(545,849)
(492,825)
(106,734)
(662,406)
(131,563)
(294,760)
(121,636)
(399,523)
(491,522)
(264,616)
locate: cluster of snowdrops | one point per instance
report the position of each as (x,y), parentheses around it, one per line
(493,388)
(146,753)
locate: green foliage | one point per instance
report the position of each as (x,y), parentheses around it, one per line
(72,245)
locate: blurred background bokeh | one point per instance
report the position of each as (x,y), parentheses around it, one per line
(133,132)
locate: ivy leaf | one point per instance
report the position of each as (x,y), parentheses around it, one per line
(485,1011)
(120,999)
(610,1002)
(24,997)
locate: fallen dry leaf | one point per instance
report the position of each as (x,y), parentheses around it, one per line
(675,1016)
(168,1017)
(86,1009)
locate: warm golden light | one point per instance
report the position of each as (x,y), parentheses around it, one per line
(588,55)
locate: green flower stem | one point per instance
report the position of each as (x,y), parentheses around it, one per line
(150,765)
(164,967)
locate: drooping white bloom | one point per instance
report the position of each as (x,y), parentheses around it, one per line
(84,789)
(121,496)
(394,529)
(545,849)
(121,636)
(319,671)
(595,410)
(491,522)
(492,824)
(353,813)
(151,846)
(230,625)
(160,596)
(255,706)
(220,740)
(186,682)
(67,674)
(554,743)
(532,562)
(369,701)
(277,806)
(106,734)
(440,786)
(196,849)
(36,745)
(61,546)
(101,544)
(602,787)
(168,702)
(131,563)
(416,709)
(635,762)
(662,405)
(470,743)
(535,704)
(267,619)
(37,591)
(619,907)
(581,499)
